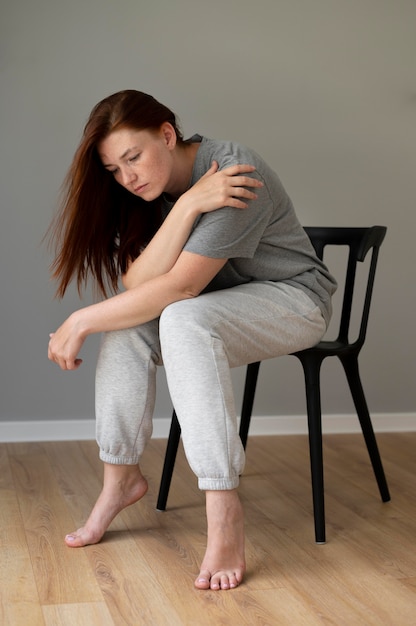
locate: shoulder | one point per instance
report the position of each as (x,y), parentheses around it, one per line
(227,152)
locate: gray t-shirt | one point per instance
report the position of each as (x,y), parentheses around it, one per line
(264,242)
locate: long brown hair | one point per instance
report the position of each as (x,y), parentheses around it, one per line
(100,226)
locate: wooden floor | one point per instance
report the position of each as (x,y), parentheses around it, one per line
(142,572)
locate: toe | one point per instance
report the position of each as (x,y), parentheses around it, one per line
(215,582)
(225,583)
(233,580)
(220,580)
(203,580)
(73,540)
(80,538)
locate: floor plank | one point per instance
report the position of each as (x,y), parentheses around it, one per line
(60,573)
(18,592)
(79,614)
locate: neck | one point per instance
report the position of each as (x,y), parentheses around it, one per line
(184,162)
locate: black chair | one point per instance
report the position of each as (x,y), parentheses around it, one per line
(359,242)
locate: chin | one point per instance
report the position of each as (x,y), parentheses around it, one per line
(148,197)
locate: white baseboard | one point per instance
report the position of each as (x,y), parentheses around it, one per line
(70,430)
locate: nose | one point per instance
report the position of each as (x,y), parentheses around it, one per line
(127,176)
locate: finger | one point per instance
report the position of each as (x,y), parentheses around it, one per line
(237,203)
(59,362)
(72,363)
(239,168)
(63,363)
(212,169)
(245,181)
(66,364)
(242,192)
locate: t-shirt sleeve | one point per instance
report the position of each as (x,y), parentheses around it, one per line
(230,232)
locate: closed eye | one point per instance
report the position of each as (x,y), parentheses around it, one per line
(134,158)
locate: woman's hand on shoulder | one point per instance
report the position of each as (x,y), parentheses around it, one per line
(220,188)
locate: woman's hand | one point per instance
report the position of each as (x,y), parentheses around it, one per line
(221,188)
(66,342)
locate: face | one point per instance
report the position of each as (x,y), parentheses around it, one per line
(141,160)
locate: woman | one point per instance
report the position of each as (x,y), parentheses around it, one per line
(217,273)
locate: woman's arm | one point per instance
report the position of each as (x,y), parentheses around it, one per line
(163,273)
(213,191)
(188,277)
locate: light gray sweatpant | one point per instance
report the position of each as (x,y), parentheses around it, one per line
(197,341)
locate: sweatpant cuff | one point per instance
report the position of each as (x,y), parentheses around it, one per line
(118,460)
(218,484)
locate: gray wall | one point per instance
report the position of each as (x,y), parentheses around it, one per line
(324,89)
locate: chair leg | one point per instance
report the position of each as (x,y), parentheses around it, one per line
(169,463)
(311,370)
(248,400)
(351,369)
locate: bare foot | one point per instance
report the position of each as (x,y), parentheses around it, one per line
(223,566)
(123,485)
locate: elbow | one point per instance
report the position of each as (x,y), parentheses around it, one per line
(191,289)
(127,278)
(187,293)
(190,293)
(177,296)
(182,287)
(125,281)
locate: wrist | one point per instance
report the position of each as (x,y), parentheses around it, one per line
(79,323)
(186,208)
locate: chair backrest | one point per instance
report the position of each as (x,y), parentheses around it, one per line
(359,241)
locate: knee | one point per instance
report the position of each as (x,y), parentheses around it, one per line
(114,338)
(172,313)
(114,343)
(182,318)
(183,325)
(171,322)
(131,341)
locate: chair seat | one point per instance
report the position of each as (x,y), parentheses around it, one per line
(330,348)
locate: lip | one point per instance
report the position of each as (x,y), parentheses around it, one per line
(140,188)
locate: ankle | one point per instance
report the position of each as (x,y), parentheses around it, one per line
(227,501)
(121,474)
